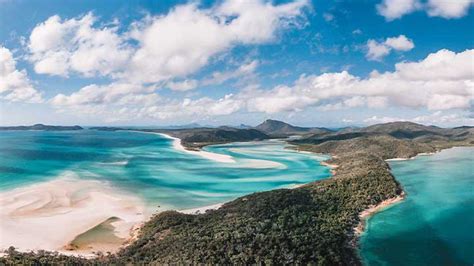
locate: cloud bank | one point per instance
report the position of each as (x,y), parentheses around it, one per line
(444,80)
(448,9)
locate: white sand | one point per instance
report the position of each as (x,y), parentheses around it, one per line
(364,215)
(260,164)
(49,215)
(201,210)
(223,158)
(411,158)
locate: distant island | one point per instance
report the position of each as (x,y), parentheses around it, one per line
(316,223)
(43,127)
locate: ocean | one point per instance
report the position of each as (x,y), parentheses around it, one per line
(146,165)
(434,225)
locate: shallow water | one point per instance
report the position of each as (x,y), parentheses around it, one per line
(434,225)
(148,166)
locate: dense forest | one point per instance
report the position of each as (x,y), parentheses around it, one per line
(310,224)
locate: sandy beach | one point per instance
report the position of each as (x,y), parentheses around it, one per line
(201,210)
(332,166)
(411,158)
(208,155)
(51,214)
(359,229)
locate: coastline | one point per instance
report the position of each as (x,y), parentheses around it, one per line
(223,158)
(413,157)
(201,210)
(367,213)
(331,166)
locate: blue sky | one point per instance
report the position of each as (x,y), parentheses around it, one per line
(314,63)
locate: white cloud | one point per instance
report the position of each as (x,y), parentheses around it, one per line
(442,65)
(436,118)
(384,119)
(434,88)
(185,85)
(400,43)
(440,118)
(157,48)
(14,84)
(377,51)
(394,9)
(59,47)
(448,9)
(184,40)
(114,93)
(246,70)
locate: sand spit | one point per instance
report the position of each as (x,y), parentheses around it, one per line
(223,158)
(51,214)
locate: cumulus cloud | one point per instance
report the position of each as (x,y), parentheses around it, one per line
(400,43)
(14,84)
(157,48)
(393,9)
(376,51)
(59,47)
(184,40)
(449,9)
(445,81)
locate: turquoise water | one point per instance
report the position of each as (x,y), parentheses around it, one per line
(434,225)
(148,166)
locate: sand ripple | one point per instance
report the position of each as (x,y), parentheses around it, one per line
(49,215)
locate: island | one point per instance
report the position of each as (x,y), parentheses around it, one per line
(43,127)
(318,222)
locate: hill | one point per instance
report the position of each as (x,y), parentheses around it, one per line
(42,127)
(277,128)
(397,130)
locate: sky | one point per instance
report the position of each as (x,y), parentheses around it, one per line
(230,62)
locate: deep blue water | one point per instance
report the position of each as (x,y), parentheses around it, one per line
(434,225)
(148,166)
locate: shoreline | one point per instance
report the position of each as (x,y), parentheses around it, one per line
(331,166)
(411,158)
(223,158)
(202,210)
(359,229)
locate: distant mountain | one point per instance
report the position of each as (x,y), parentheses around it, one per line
(42,127)
(398,130)
(279,128)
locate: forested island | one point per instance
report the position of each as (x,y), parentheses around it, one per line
(314,223)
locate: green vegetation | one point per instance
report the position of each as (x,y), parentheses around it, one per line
(277,128)
(310,224)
